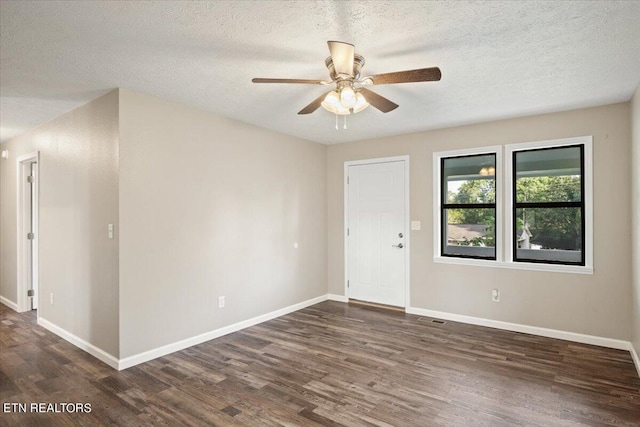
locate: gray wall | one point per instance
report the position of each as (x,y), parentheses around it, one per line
(598,304)
(212,207)
(635,211)
(78,198)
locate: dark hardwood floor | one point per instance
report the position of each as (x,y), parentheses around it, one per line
(331,364)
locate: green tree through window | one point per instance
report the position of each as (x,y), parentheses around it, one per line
(551,228)
(475,191)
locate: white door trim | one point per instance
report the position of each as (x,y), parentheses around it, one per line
(407,232)
(23,169)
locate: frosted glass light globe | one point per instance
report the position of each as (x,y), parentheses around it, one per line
(361,103)
(332,104)
(347,97)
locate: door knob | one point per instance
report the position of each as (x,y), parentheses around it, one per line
(399,246)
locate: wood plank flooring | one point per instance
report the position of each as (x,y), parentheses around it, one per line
(332,365)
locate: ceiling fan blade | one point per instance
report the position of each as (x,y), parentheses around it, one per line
(302,81)
(380,102)
(410,76)
(315,104)
(342,55)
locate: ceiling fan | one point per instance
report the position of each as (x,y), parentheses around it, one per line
(349,95)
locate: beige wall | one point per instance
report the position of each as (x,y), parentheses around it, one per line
(207,207)
(635,212)
(8,256)
(78,198)
(7,224)
(2,285)
(596,304)
(211,207)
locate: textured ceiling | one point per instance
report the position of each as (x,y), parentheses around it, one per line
(498,59)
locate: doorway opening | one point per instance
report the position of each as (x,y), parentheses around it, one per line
(27,235)
(376,231)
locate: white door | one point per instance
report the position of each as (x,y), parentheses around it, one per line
(34,230)
(27,231)
(376,233)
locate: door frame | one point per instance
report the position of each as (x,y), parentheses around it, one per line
(407,220)
(24,267)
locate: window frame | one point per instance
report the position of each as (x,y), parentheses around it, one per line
(586,266)
(444,205)
(438,207)
(547,205)
(505,206)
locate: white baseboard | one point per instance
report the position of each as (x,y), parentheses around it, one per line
(516,327)
(339,298)
(634,356)
(136,359)
(130,361)
(80,343)
(12,305)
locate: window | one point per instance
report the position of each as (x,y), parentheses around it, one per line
(468,206)
(548,210)
(543,220)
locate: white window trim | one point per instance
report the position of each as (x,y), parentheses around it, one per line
(587,141)
(437,211)
(504,205)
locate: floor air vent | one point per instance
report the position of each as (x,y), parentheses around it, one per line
(437,321)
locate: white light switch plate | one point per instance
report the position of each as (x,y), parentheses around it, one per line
(110,231)
(416,225)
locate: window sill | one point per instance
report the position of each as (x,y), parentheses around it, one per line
(554,268)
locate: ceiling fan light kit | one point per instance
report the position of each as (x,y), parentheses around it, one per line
(344,67)
(345,100)
(332,104)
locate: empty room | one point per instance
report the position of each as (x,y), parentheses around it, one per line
(320,213)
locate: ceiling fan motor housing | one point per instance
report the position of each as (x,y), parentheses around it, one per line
(358,63)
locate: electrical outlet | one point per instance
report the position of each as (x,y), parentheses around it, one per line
(495,295)
(220,302)
(51,298)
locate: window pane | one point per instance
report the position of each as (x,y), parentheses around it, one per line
(549,234)
(470,232)
(549,175)
(470,179)
(471,191)
(548,189)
